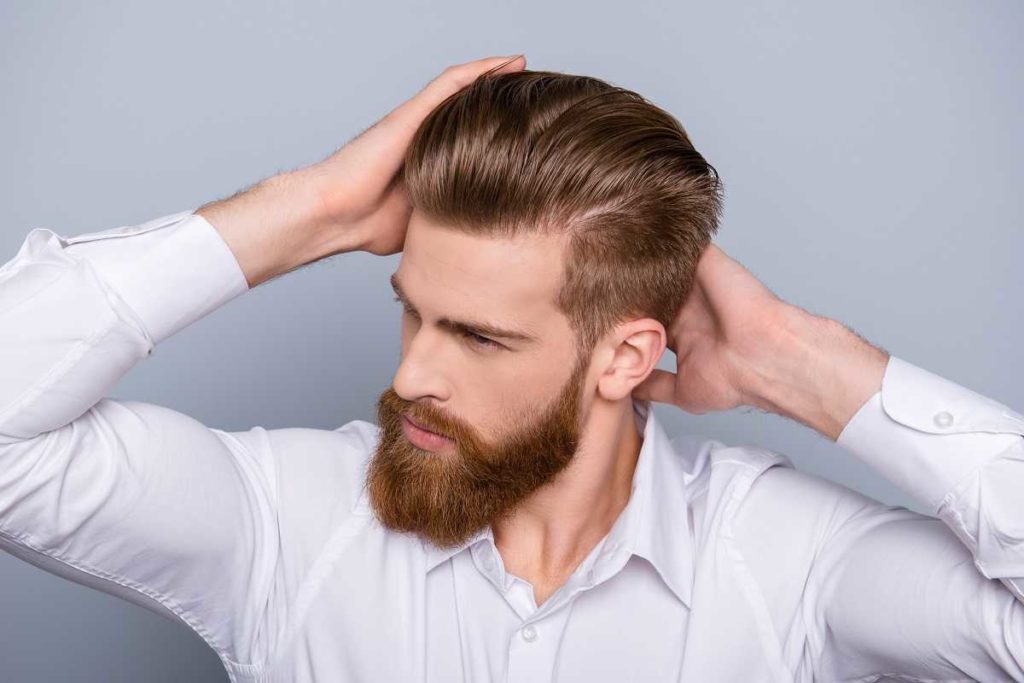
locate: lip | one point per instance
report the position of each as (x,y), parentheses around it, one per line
(423,438)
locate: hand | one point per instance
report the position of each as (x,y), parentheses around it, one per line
(718,336)
(352,200)
(359,186)
(736,343)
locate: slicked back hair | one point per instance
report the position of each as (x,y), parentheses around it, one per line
(546,152)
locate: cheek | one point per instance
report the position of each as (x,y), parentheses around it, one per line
(513,387)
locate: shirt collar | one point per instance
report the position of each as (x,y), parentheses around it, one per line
(661,530)
(655,522)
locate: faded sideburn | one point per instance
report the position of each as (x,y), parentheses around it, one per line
(539,151)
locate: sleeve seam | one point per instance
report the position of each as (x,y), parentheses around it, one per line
(169,603)
(54,374)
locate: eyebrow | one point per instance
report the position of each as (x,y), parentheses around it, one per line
(475,327)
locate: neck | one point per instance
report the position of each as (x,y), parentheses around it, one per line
(553,530)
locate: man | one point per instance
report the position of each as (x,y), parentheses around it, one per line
(518,513)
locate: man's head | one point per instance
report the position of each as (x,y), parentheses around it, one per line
(556,228)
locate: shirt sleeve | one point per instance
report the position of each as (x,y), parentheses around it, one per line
(911,596)
(127,497)
(958,452)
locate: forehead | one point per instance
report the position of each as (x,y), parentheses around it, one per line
(446,271)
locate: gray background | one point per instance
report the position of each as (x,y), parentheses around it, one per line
(871,154)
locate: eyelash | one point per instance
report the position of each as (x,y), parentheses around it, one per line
(471,337)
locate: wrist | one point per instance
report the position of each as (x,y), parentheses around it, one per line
(274,226)
(300,204)
(814,370)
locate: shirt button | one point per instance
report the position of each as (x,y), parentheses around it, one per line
(489,564)
(529,633)
(943,419)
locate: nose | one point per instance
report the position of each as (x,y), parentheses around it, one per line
(421,372)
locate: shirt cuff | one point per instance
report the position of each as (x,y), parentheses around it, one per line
(926,433)
(170,271)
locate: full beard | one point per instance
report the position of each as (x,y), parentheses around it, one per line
(446,498)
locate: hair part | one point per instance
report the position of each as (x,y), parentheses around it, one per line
(541,152)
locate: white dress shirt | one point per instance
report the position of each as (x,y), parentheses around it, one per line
(727,564)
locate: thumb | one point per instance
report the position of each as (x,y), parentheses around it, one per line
(657,386)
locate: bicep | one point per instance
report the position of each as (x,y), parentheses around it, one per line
(149,504)
(899,594)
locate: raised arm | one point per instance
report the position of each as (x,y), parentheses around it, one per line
(130,498)
(884,591)
(136,499)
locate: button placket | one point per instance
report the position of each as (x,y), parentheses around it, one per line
(532,657)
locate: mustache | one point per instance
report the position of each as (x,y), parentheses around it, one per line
(424,416)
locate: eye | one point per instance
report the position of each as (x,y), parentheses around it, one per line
(471,337)
(477,340)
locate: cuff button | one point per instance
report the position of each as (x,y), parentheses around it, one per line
(943,419)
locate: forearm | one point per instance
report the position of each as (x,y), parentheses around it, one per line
(816,371)
(81,310)
(277,225)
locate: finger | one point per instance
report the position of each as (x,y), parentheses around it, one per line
(380,149)
(456,77)
(657,386)
(412,112)
(495,64)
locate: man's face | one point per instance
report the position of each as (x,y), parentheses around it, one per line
(510,409)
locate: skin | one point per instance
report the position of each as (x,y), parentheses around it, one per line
(735,344)
(555,481)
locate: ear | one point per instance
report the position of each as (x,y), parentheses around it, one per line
(637,347)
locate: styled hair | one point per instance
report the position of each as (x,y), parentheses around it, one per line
(533,152)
